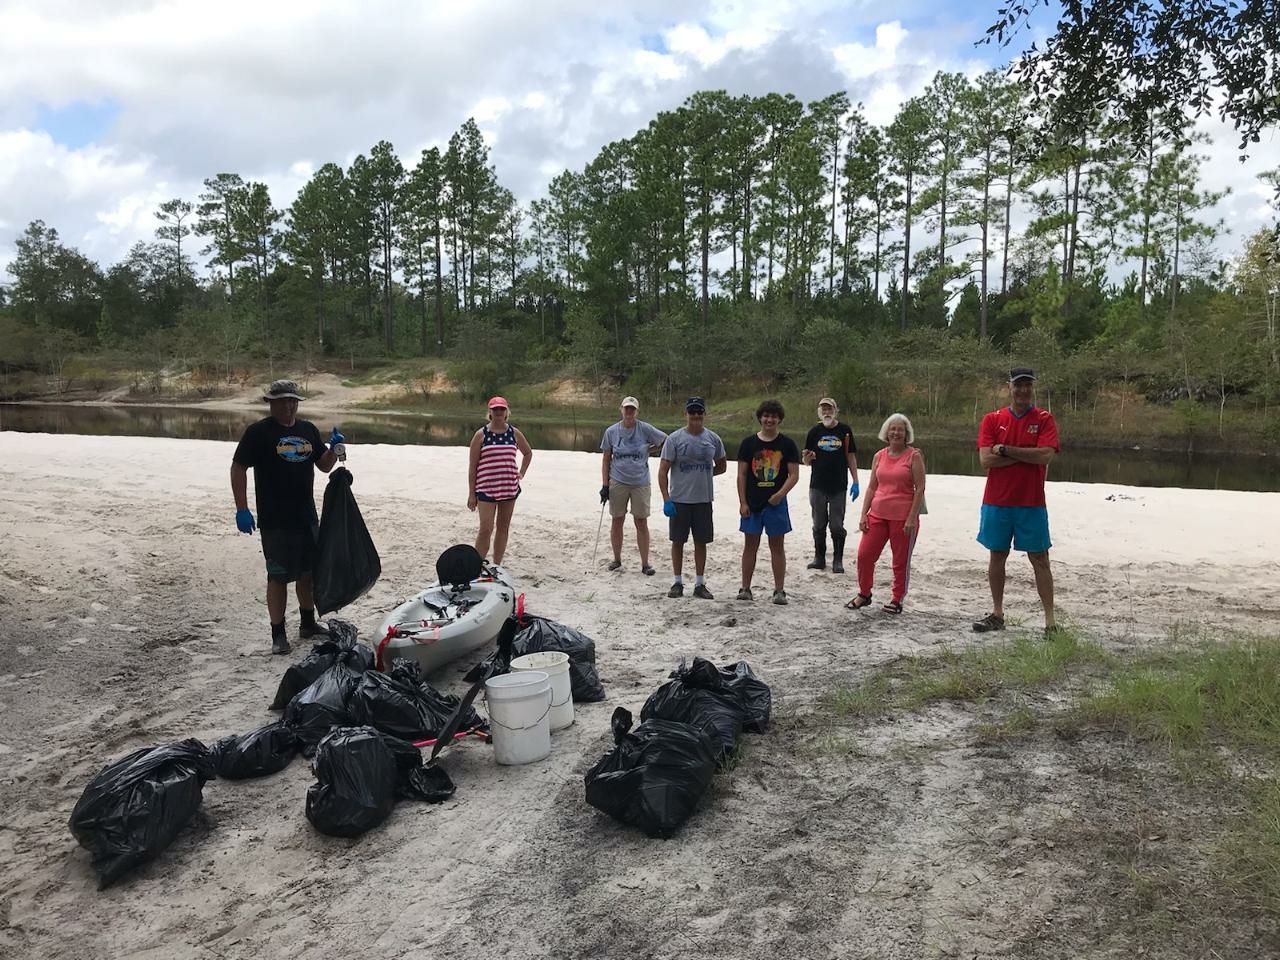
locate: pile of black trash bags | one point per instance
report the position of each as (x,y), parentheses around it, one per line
(655,775)
(537,635)
(359,725)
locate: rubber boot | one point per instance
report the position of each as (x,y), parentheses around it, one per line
(837,552)
(819,561)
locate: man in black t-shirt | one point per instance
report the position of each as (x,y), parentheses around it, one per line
(768,467)
(831,452)
(284,453)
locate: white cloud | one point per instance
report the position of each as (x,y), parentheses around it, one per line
(274,90)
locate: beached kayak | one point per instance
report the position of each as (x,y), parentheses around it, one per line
(444,622)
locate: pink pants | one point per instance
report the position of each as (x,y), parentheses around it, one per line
(901,543)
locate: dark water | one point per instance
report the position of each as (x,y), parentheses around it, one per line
(1129,467)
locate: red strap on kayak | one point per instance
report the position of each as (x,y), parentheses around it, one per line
(382,645)
(520,607)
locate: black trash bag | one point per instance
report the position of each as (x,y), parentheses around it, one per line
(717,711)
(340,647)
(654,776)
(360,773)
(322,706)
(404,705)
(737,680)
(757,697)
(258,753)
(537,634)
(134,807)
(346,564)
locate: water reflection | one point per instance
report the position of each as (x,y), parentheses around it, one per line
(1128,467)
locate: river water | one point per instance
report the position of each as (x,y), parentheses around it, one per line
(1129,467)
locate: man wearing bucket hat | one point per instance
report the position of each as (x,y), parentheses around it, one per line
(691,458)
(625,481)
(284,453)
(831,453)
(1016,445)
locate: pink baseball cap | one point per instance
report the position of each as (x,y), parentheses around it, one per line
(499,402)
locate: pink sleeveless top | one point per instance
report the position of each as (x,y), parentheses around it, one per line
(895,488)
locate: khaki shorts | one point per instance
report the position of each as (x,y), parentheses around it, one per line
(621,494)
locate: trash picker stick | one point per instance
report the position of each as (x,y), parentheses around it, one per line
(599,527)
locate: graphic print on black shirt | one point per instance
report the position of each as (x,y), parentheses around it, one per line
(767,465)
(283,461)
(830,469)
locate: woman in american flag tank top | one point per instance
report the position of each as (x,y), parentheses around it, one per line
(494,479)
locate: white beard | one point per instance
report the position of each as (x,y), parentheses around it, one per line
(829,422)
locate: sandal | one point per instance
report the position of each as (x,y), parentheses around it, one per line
(858,602)
(893,606)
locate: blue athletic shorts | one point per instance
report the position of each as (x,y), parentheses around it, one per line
(1026,528)
(773,521)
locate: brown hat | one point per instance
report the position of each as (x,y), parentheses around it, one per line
(829,402)
(282,389)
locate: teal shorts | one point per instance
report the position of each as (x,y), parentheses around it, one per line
(1026,528)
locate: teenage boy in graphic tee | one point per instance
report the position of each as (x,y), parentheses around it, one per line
(284,453)
(691,458)
(624,478)
(1016,445)
(832,454)
(768,467)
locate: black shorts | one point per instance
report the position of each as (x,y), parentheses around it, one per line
(289,553)
(692,518)
(485,498)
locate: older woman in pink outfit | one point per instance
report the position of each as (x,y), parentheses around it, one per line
(891,511)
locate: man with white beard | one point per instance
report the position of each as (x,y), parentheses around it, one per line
(830,451)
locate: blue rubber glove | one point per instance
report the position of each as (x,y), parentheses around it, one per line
(854,490)
(244,520)
(668,508)
(338,444)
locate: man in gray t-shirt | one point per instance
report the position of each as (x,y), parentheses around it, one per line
(624,479)
(691,457)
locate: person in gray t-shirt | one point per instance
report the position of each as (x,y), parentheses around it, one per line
(624,479)
(691,457)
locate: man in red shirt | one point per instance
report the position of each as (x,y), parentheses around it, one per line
(1015,445)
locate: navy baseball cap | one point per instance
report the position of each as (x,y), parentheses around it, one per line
(1021,373)
(695,405)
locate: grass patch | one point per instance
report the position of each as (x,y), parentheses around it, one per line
(1224,692)
(1020,722)
(975,673)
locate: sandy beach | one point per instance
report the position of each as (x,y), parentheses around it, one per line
(134,614)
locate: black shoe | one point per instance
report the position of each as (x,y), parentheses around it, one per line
(837,552)
(614,565)
(817,563)
(677,590)
(280,645)
(647,570)
(702,593)
(837,566)
(307,631)
(988,623)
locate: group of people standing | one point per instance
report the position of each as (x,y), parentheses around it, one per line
(1015,445)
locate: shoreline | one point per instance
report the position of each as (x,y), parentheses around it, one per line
(600,415)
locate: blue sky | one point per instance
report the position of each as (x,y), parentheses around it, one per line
(108,110)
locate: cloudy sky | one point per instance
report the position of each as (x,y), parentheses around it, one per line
(109,108)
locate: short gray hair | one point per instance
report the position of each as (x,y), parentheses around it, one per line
(884,427)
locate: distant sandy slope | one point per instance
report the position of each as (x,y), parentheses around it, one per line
(132,613)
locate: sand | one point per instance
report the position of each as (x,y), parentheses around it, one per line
(134,614)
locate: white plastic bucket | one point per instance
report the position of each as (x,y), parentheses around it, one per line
(519,716)
(555,665)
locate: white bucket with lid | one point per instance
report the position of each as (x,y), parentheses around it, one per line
(554,664)
(519,707)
